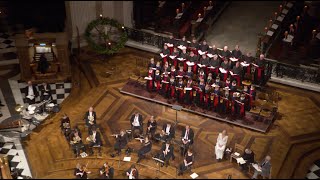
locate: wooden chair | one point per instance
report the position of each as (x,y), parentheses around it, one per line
(239,149)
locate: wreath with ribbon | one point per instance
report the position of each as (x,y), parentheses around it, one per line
(107,47)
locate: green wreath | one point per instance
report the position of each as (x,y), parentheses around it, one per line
(112,48)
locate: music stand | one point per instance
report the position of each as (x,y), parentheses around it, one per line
(177,108)
(159,165)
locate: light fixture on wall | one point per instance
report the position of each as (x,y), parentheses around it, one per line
(100,15)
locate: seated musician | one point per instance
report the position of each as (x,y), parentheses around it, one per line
(90,118)
(225,53)
(225,65)
(43,64)
(187,162)
(167,132)
(236,53)
(31,93)
(204,47)
(152,63)
(180,90)
(188,92)
(132,172)
(214,62)
(213,50)
(151,127)
(65,126)
(136,122)
(147,145)
(167,152)
(195,59)
(94,140)
(121,141)
(45,92)
(260,68)
(106,171)
(76,142)
(248,156)
(187,139)
(237,71)
(81,172)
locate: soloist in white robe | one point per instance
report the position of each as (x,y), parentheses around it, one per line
(220,146)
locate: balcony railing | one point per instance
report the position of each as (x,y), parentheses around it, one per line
(273,67)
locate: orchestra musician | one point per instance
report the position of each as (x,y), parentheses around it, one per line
(76,142)
(45,90)
(65,126)
(187,162)
(151,127)
(90,118)
(167,132)
(136,122)
(106,171)
(121,141)
(94,140)
(31,93)
(147,145)
(132,172)
(81,172)
(187,139)
(167,153)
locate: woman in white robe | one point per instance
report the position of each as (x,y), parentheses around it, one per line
(221,144)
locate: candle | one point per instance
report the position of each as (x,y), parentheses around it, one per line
(199,15)
(204,11)
(305,9)
(270,23)
(291,28)
(314,33)
(210,3)
(177,11)
(298,17)
(275,15)
(182,6)
(280,8)
(266,29)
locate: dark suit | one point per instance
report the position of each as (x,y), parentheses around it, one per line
(46,90)
(87,120)
(153,127)
(35,92)
(140,122)
(121,143)
(249,158)
(190,136)
(66,131)
(171,134)
(97,143)
(169,155)
(144,150)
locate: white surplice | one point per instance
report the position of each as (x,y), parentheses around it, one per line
(220,146)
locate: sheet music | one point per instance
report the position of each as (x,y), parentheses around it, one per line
(182,47)
(169,45)
(179,16)
(274,26)
(194,175)
(181,59)
(166,82)
(232,74)
(240,160)
(162,55)
(244,64)
(222,70)
(255,166)
(233,59)
(30,97)
(200,52)
(83,154)
(211,67)
(318,35)
(209,8)
(172,57)
(190,63)
(154,68)
(148,78)
(199,20)
(236,153)
(280,18)
(188,42)
(127,159)
(270,33)
(187,89)
(255,64)
(179,76)
(285,11)
(200,65)
(289,5)
(210,55)
(220,55)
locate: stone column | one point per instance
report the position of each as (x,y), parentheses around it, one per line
(21,43)
(128,13)
(63,54)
